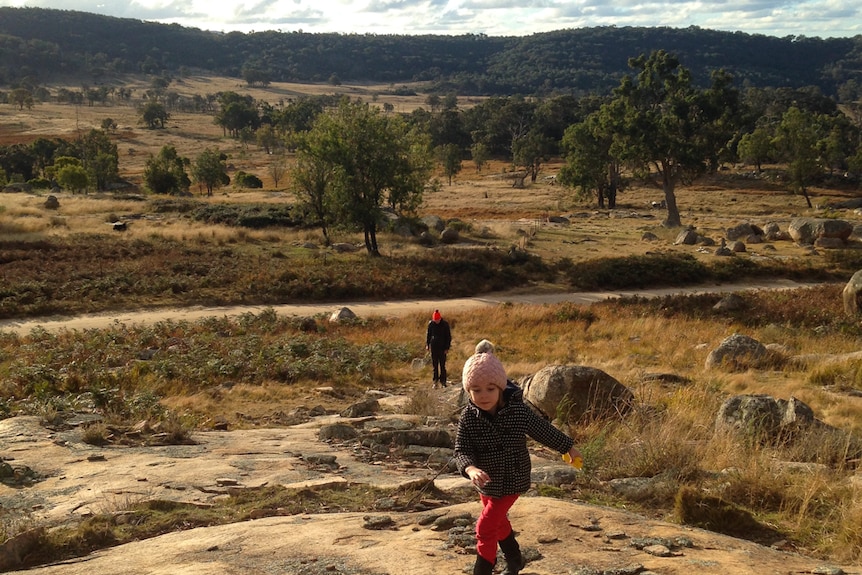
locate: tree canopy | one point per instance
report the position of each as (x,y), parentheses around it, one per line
(356,162)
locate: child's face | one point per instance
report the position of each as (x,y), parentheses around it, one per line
(485,396)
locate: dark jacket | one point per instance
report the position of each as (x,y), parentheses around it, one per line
(438,336)
(497,444)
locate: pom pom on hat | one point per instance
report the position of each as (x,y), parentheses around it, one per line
(484,346)
(483,368)
(436,316)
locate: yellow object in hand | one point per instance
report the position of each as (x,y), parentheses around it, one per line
(577,462)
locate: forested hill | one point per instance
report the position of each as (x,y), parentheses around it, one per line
(37,45)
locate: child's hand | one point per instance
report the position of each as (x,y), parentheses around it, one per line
(477,477)
(574,458)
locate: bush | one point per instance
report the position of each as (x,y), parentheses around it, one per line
(246,180)
(638,272)
(254,216)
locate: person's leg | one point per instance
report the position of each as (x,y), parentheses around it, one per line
(512,552)
(443,379)
(493,525)
(435,362)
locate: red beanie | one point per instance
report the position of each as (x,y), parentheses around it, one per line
(436,316)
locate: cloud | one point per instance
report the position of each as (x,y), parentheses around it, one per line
(824,18)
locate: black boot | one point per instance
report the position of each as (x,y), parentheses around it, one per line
(483,566)
(512,552)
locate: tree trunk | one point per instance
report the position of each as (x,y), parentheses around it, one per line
(673,220)
(371,241)
(805,194)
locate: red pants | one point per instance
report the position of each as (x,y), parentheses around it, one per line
(493,525)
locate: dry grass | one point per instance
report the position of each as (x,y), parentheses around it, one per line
(486,201)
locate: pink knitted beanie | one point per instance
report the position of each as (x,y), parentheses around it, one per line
(483,368)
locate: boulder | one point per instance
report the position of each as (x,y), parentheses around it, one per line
(850,294)
(743,231)
(764,416)
(573,391)
(730,302)
(435,223)
(686,237)
(740,352)
(343,314)
(805,231)
(450,236)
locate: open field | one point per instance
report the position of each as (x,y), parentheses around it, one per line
(484,199)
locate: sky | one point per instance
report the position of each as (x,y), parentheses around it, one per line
(810,18)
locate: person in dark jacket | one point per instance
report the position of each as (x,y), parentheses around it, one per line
(438,339)
(491,451)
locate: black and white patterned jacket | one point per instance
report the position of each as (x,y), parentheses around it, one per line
(497,444)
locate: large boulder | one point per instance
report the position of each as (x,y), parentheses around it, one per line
(806,231)
(762,413)
(743,231)
(850,294)
(740,352)
(779,421)
(570,392)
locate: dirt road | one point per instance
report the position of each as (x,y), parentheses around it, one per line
(366,309)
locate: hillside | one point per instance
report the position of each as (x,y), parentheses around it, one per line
(38,45)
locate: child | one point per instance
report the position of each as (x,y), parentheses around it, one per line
(491,451)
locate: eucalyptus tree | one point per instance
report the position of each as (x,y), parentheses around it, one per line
(755,147)
(369,161)
(592,163)
(796,141)
(100,158)
(668,126)
(210,169)
(165,173)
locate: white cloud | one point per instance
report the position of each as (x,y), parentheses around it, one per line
(824,18)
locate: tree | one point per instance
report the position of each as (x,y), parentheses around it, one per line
(312,180)
(71,174)
(449,156)
(21,97)
(109,125)
(154,115)
(667,125)
(277,169)
(210,169)
(755,147)
(479,153)
(166,172)
(267,138)
(236,112)
(591,162)
(100,158)
(796,139)
(531,151)
(369,161)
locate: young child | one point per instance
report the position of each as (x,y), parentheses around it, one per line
(491,451)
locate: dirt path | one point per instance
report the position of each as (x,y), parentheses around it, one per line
(366,309)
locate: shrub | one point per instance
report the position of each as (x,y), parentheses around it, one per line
(246,180)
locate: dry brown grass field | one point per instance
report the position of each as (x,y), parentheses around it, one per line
(483,199)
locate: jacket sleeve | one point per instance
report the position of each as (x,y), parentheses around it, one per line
(545,433)
(463,449)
